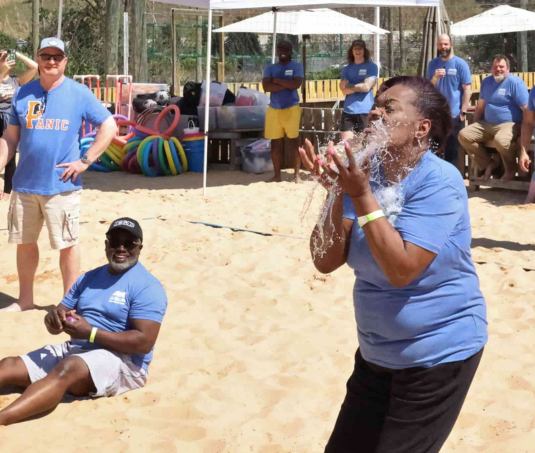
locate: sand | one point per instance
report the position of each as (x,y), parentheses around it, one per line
(256,345)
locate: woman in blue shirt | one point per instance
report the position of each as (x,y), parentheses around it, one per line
(358,79)
(421,317)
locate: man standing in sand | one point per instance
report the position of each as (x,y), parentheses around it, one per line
(282,80)
(499,112)
(113,315)
(452,77)
(45,123)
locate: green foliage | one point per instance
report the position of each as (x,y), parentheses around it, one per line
(326,74)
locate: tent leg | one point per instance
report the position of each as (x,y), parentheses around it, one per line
(274,43)
(439,20)
(378,40)
(207,100)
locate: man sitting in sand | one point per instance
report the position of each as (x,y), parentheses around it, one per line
(113,315)
(502,103)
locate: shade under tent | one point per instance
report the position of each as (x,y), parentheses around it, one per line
(273,5)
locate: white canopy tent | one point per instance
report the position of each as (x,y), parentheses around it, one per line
(317,21)
(502,19)
(275,5)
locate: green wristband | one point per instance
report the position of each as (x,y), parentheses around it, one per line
(370,217)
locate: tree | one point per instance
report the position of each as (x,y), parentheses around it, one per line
(111,39)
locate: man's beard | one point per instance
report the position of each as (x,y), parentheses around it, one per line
(499,78)
(445,52)
(124,266)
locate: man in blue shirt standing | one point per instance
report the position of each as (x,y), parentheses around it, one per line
(452,77)
(282,80)
(45,124)
(499,112)
(113,315)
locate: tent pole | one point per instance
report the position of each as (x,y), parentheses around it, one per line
(207,99)
(274,44)
(439,19)
(378,40)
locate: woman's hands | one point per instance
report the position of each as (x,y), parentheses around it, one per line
(353,180)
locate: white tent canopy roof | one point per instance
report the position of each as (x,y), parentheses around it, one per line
(306,22)
(503,19)
(293,4)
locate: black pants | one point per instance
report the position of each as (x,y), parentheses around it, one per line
(401,411)
(11,165)
(354,122)
(452,145)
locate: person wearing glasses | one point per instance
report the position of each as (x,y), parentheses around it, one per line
(8,86)
(45,124)
(113,315)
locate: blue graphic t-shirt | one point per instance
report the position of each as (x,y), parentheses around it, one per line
(109,301)
(286,98)
(50,128)
(440,316)
(503,100)
(451,85)
(359,103)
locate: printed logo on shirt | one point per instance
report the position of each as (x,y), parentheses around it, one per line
(501,92)
(289,72)
(34,118)
(6,91)
(452,71)
(363,71)
(118,297)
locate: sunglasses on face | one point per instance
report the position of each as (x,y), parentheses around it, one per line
(128,244)
(48,57)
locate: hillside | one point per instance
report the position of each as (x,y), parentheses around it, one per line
(16,16)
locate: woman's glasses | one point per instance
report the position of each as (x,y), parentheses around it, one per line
(48,57)
(128,244)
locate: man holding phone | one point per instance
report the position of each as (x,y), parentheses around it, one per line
(8,86)
(452,77)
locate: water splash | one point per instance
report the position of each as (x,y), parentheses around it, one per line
(373,151)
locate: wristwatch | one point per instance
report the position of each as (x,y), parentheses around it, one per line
(86,160)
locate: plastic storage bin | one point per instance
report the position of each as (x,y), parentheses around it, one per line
(232,117)
(256,157)
(212,117)
(194,150)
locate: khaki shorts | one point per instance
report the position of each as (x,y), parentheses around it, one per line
(61,212)
(112,373)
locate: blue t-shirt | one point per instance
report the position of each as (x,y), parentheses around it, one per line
(53,137)
(451,85)
(441,316)
(286,98)
(531,101)
(109,301)
(359,103)
(503,100)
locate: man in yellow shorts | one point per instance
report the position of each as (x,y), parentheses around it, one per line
(282,80)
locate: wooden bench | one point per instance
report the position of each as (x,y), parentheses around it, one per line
(475,179)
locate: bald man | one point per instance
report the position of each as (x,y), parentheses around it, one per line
(452,77)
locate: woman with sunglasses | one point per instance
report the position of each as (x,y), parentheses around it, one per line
(8,86)
(421,317)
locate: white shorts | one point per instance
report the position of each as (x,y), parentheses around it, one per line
(112,373)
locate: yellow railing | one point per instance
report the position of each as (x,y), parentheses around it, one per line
(329,90)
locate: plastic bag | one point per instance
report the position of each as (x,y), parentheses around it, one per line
(217,94)
(248,97)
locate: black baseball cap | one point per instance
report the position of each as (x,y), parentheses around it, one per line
(127,224)
(359,43)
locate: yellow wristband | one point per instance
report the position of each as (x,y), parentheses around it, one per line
(93,335)
(370,217)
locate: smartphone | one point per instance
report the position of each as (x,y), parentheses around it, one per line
(11,56)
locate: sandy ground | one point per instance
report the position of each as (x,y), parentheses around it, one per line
(256,346)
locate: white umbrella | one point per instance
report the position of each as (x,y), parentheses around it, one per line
(503,19)
(321,21)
